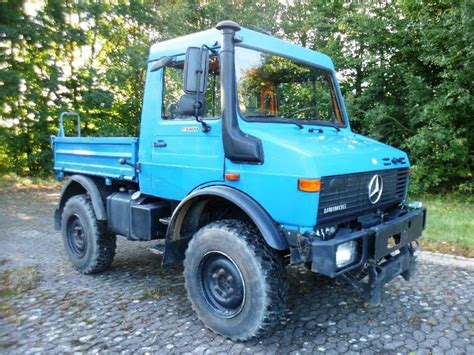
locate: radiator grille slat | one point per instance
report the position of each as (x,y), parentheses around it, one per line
(351,191)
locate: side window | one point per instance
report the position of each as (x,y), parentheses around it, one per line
(173,90)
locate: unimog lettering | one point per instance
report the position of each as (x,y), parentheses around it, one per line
(335,208)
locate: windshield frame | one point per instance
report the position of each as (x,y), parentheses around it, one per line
(335,90)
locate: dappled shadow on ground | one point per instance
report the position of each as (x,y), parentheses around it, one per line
(27,205)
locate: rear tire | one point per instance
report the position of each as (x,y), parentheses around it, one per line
(88,245)
(236,283)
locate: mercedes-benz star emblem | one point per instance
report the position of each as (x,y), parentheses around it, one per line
(375,189)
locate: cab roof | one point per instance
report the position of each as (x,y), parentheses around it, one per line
(250,39)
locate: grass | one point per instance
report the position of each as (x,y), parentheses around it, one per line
(15,282)
(78,305)
(151,295)
(449,224)
(13,182)
(6,309)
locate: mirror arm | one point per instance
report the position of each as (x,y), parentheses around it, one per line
(205,127)
(212,50)
(162,62)
(197,105)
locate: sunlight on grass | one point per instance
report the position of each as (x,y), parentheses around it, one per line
(13,182)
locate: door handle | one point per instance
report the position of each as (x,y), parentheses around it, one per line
(159,144)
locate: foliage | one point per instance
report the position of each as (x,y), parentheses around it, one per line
(407,77)
(405,69)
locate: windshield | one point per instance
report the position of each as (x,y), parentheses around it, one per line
(274,88)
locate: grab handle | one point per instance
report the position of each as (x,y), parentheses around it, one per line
(61,123)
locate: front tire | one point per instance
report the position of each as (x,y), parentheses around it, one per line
(236,283)
(88,245)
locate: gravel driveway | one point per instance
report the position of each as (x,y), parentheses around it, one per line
(139,306)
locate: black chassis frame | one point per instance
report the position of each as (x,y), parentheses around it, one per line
(385,249)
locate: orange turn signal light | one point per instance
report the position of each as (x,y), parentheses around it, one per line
(232,176)
(309,185)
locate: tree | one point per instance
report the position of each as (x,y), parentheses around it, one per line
(405,68)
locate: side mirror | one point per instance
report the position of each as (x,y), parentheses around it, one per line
(192,105)
(196,68)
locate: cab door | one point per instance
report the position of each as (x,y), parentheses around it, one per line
(183,156)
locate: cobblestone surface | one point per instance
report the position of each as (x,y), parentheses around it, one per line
(139,306)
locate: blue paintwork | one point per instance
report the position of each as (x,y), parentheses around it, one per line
(96,156)
(291,153)
(259,41)
(179,45)
(193,159)
(190,158)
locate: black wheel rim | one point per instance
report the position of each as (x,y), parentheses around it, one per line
(222,284)
(76,238)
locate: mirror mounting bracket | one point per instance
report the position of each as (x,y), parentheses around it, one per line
(197,106)
(205,126)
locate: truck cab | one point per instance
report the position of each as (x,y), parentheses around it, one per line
(246,162)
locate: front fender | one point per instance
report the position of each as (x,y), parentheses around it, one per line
(263,221)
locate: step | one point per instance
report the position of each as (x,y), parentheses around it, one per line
(158,249)
(165,220)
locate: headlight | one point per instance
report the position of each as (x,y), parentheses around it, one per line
(345,253)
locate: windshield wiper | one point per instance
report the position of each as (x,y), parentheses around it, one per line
(335,127)
(280,120)
(260,116)
(325,125)
(300,126)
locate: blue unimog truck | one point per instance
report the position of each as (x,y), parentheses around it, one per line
(245,163)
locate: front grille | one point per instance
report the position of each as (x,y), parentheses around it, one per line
(344,197)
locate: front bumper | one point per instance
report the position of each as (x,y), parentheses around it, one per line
(383,252)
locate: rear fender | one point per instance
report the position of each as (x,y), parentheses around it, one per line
(78,185)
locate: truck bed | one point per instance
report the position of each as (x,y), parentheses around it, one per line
(96,156)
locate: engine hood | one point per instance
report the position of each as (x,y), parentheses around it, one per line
(291,153)
(328,153)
